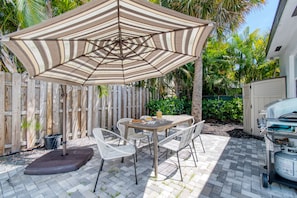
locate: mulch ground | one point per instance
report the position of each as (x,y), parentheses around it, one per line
(227,129)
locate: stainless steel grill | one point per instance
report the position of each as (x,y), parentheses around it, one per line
(278,123)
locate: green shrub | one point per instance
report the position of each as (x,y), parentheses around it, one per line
(169,106)
(212,109)
(223,110)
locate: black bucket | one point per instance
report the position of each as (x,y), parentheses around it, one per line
(52,141)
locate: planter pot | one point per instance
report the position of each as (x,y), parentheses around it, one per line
(52,141)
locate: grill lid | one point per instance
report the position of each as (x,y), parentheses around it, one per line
(289,117)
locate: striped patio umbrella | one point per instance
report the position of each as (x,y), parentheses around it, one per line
(109,42)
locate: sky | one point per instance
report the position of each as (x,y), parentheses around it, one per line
(261,18)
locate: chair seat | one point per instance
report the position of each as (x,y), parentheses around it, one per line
(125,150)
(171,145)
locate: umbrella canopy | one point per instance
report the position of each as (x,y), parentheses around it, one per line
(109,42)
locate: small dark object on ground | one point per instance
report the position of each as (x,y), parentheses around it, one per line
(239,133)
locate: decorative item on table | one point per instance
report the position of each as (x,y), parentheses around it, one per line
(137,121)
(159,114)
(148,118)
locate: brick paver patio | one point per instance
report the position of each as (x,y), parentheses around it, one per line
(230,167)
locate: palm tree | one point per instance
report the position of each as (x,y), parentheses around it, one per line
(228,15)
(218,70)
(248,50)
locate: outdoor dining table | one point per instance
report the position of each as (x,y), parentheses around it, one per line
(158,125)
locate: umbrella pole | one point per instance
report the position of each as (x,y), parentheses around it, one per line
(64,95)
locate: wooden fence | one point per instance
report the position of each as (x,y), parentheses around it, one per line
(31,109)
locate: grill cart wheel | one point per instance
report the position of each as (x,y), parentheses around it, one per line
(264,180)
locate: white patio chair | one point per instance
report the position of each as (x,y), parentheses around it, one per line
(132,135)
(109,152)
(196,133)
(176,145)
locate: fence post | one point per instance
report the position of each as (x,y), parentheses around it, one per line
(2,112)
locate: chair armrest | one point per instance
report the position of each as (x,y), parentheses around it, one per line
(118,136)
(113,147)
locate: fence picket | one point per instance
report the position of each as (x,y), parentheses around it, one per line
(109,108)
(74,98)
(42,109)
(49,106)
(115,105)
(31,122)
(90,112)
(83,112)
(56,109)
(16,113)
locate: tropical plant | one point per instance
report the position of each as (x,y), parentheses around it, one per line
(218,72)
(249,58)
(16,15)
(169,106)
(223,110)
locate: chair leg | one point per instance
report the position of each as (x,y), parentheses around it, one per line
(136,149)
(195,150)
(148,139)
(181,176)
(100,169)
(202,144)
(166,153)
(135,169)
(193,155)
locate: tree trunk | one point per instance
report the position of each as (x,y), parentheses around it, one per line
(197,91)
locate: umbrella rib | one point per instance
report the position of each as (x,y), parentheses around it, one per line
(120,30)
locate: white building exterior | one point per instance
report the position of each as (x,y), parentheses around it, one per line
(283,43)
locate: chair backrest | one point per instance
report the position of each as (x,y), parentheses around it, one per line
(198,128)
(186,136)
(97,132)
(121,127)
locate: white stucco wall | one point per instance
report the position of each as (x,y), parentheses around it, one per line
(288,64)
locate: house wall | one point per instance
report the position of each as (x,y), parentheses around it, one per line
(288,64)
